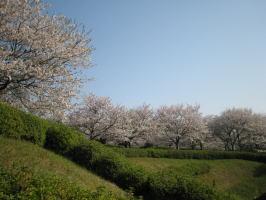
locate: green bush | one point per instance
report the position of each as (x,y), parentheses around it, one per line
(7,185)
(61,139)
(21,125)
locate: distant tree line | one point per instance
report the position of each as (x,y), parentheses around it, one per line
(180,126)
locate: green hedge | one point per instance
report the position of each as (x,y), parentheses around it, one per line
(189,154)
(20,125)
(62,139)
(25,126)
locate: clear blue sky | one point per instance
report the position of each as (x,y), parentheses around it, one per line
(210,52)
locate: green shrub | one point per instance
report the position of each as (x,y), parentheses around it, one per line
(61,139)
(7,185)
(20,125)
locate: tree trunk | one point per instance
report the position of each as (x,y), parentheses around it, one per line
(4,85)
(226,146)
(177,143)
(193,145)
(2,91)
(233,146)
(127,144)
(201,146)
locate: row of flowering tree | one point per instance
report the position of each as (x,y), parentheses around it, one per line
(99,119)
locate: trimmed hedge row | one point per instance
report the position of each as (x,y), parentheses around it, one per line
(100,159)
(189,154)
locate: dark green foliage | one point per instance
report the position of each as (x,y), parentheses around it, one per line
(260,171)
(21,125)
(7,184)
(61,139)
(189,154)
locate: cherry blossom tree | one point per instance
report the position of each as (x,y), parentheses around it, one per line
(97,117)
(200,136)
(136,124)
(41,57)
(237,126)
(203,136)
(177,121)
(255,138)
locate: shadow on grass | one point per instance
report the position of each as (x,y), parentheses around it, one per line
(262,197)
(260,171)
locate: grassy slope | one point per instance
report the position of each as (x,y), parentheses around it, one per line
(247,179)
(42,161)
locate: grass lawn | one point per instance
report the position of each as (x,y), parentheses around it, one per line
(246,179)
(39,160)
